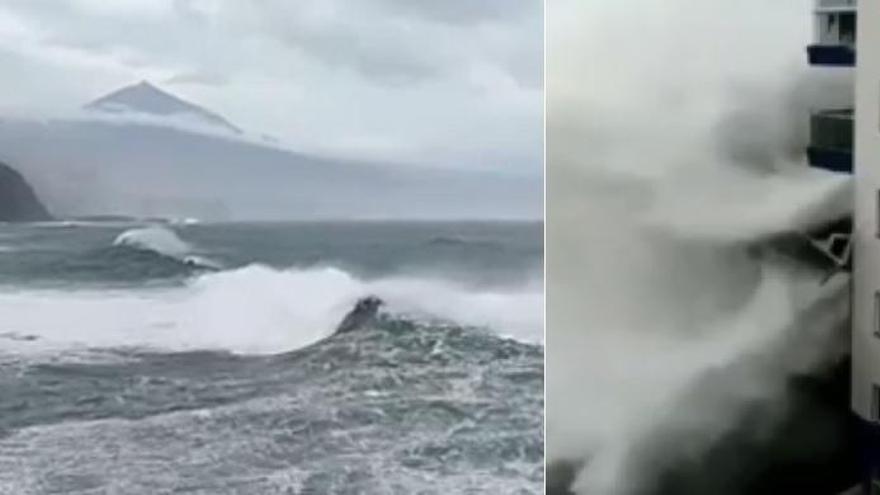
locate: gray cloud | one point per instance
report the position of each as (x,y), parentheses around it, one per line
(454,77)
(466,11)
(391,41)
(383,40)
(195,77)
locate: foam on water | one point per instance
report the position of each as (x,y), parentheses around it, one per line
(255,309)
(259,446)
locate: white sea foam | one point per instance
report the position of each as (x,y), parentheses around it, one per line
(254,309)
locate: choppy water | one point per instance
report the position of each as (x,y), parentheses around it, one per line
(198,359)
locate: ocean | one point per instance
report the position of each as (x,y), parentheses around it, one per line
(192,358)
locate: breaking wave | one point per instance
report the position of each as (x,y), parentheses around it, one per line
(251,310)
(164,242)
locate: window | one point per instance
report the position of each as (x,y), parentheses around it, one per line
(875,402)
(848,28)
(838,28)
(832,20)
(877,314)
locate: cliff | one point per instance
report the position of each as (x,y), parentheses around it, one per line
(18,202)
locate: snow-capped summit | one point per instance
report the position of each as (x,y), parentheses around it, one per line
(145,99)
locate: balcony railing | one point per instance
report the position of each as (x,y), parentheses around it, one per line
(831,55)
(834,41)
(831,140)
(836,5)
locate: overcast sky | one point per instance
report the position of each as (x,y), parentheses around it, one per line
(443,82)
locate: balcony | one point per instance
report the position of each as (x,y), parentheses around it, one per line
(831,140)
(835,34)
(831,56)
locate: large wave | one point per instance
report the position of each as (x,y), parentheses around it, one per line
(164,242)
(254,309)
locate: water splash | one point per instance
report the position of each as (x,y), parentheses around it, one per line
(255,309)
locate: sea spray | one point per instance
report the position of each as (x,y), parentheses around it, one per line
(641,318)
(254,309)
(664,328)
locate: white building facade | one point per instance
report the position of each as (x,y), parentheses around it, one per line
(866,242)
(848,141)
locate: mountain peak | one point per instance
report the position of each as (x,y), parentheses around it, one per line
(145,85)
(146,98)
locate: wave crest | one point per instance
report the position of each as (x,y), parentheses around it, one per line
(165,242)
(155,238)
(255,310)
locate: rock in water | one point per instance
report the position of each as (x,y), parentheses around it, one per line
(18,202)
(363,314)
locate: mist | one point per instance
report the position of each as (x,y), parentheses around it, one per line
(146,168)
(311,110)
(676,137)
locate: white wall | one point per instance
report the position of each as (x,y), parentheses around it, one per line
(866,280)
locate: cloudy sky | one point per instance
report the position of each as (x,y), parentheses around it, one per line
(451,82)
